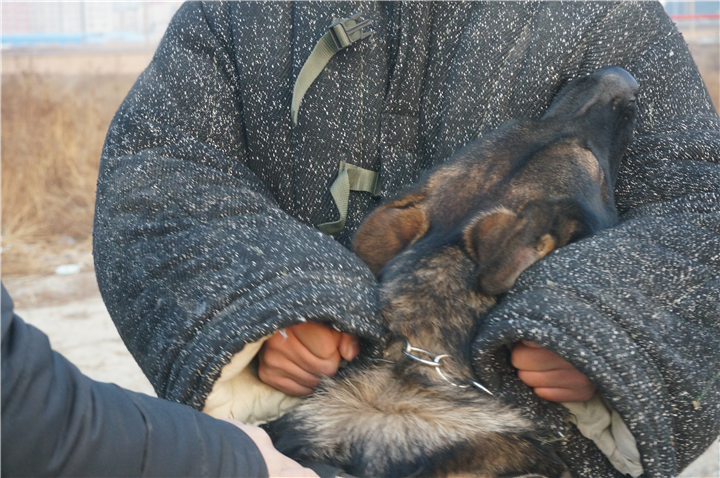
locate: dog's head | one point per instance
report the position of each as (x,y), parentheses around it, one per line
(506,200)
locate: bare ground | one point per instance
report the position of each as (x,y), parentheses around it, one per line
(69,309)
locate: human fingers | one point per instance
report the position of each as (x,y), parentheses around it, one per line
(560,385)
(559,378)
(565,394)
(278,465)
(550,376)
(288,345)
(285,364)
(318,339)
(349,346)
(276,370)
(535,358)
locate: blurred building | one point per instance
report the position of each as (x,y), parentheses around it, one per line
(686,7)
(137,24)
(142,23)
(699,21)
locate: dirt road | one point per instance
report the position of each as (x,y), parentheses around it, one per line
(71,312)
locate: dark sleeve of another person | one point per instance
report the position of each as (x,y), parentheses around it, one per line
(58,422)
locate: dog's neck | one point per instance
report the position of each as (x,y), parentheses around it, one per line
(434,304)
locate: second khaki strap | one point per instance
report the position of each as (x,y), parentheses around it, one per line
(350,178)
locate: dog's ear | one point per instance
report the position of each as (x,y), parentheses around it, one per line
(505,244)
(389,230)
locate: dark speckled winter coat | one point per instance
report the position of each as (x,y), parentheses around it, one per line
(208,199)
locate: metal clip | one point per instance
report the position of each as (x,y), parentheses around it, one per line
(345,33)
(435,362)
(447,379)
(408,353)
(477,385)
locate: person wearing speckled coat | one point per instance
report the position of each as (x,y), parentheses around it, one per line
(208,200)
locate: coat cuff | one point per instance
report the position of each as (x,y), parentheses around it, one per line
(241,395)
(597,421)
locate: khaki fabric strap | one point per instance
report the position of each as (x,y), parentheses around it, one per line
(350,178)
(341,34)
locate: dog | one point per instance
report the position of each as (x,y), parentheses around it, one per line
(443,252)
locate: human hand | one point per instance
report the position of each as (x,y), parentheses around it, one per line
(550,376)
(278,465)
(295,362)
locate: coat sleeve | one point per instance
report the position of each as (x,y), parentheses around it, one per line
(636,308)
(194,257)
(58,422)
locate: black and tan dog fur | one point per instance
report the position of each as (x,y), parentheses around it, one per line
(443,252)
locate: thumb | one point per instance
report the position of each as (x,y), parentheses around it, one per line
(349,347)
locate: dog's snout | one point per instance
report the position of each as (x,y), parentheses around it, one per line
(610,88)
(618,83)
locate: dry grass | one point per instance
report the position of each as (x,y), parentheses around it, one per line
(707,57)
(53,128)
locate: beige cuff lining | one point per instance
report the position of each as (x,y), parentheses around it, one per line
(597,421)
(239,393)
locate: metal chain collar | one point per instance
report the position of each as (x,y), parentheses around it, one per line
(435,363)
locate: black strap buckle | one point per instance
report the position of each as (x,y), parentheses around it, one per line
(347,31)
